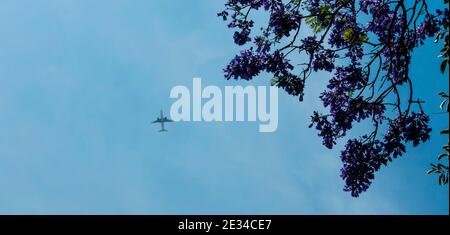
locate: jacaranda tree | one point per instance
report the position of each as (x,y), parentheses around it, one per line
(366,47)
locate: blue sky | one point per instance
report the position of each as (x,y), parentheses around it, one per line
(81,80)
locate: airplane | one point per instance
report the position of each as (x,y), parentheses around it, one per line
(162,120)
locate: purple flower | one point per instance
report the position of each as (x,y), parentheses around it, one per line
(324,60)
(361,159)
(325,129)
(277,64)
(245,66)
(240,38)
(416,128)
(283,22)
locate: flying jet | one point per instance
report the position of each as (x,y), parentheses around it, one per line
(162,120)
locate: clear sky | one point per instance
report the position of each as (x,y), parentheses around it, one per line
(81,80)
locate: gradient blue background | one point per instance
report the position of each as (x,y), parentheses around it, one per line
(81,80)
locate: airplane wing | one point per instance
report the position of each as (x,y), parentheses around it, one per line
(161,120)
(167,120)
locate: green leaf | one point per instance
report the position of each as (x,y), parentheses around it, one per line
(363,38)
(348,35)
(316,24)
(350,93)
(441,179)
(274,81)
(443,104)
(443,94)
(320,22)
(442,156)
(444,66)
(438,36)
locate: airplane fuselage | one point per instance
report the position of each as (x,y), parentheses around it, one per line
(162,120)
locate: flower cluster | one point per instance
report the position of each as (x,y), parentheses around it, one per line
(416,128)
(344,108)
(246,65)
(325,128)
(362,158)
(282,22)
(324,60)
